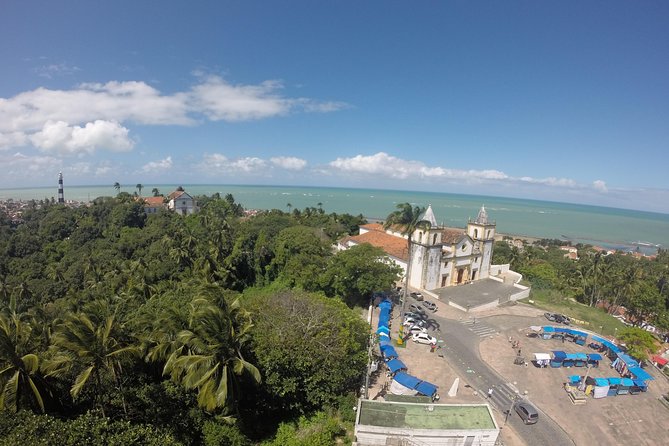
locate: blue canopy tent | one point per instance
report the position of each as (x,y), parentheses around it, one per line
(384,343)
(386,304)
(624,387)
(580,359)
(407,380)
(593,359)
(395,365)
(639,386)
(382,330)
(558,357)
(389,352)
(574,379)
(548,332)
(640,374)
(427,389)
(613,386)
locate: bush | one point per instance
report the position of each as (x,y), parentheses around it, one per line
(44,430)
(218,434)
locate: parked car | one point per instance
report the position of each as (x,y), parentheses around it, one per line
(430,305)
(415,330)
(562,319)
(424,338)
(550,316)
(417,296)
(528,413)
(416,309)
(421,316)
(411,322)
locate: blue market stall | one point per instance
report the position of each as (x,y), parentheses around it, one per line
(395,365)
(593,359)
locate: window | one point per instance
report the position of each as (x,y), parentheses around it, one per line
(476,233)
(463,247)
(434,239)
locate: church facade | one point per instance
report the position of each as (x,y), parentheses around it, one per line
(440,257)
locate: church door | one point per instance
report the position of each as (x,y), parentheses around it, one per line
(473,275)
(461,271)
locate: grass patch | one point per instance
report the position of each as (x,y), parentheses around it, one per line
(593,318)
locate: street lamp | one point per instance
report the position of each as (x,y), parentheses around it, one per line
(601,331)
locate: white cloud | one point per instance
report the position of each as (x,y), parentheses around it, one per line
(13,139)
(600,186)
(214,98)
(383,164)
(58,136)
(289,162)
(158,166)
(18,165)
(219,100)
(217,163)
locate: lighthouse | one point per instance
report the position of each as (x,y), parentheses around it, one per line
(61,196)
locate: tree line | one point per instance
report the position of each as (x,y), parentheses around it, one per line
(213,328)
(640,285)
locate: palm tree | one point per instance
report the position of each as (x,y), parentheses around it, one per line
(19,365)
(139,188)
(289,206)
(92,346)
(117,186)
(409,219)
(155,192)
(207,355)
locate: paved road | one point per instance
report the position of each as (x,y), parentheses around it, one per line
(460,348)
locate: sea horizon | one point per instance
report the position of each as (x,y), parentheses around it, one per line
(605,226)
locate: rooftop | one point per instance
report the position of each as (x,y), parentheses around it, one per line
(425,416)
(392,245)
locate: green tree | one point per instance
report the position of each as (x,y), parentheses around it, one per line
(139,187)
(93,348)
(639,342)
(207,355)
(155,191)
(20,378)
(117,186)
(311,349)
(354,274)
(408,219)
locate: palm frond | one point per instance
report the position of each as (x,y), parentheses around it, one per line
(81,381)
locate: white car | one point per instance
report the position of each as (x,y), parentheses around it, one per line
(424,338)
(415,315)
(411,321)
(430,305)
(416,330)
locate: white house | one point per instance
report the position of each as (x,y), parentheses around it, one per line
(181,202)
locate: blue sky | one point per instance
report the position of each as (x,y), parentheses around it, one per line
(564,101)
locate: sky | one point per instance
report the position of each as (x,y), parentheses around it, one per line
(563,101)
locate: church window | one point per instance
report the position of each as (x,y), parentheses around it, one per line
(420,237)
(476,233)
(434,239)
(463,247)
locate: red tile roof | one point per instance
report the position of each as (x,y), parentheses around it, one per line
(392,245)
(451,236)
(153,201)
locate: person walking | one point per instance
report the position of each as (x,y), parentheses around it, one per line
(489,392)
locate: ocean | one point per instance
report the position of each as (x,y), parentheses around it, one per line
(603,226)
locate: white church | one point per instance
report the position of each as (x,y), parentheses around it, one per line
(443,258)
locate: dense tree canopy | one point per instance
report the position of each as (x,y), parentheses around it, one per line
(211,328)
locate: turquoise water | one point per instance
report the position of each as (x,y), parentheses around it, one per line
(616,228)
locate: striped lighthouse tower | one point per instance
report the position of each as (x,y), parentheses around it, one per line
(61,196)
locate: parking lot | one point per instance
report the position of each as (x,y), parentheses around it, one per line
(623,419)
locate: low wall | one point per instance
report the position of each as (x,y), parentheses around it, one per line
(525,292)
